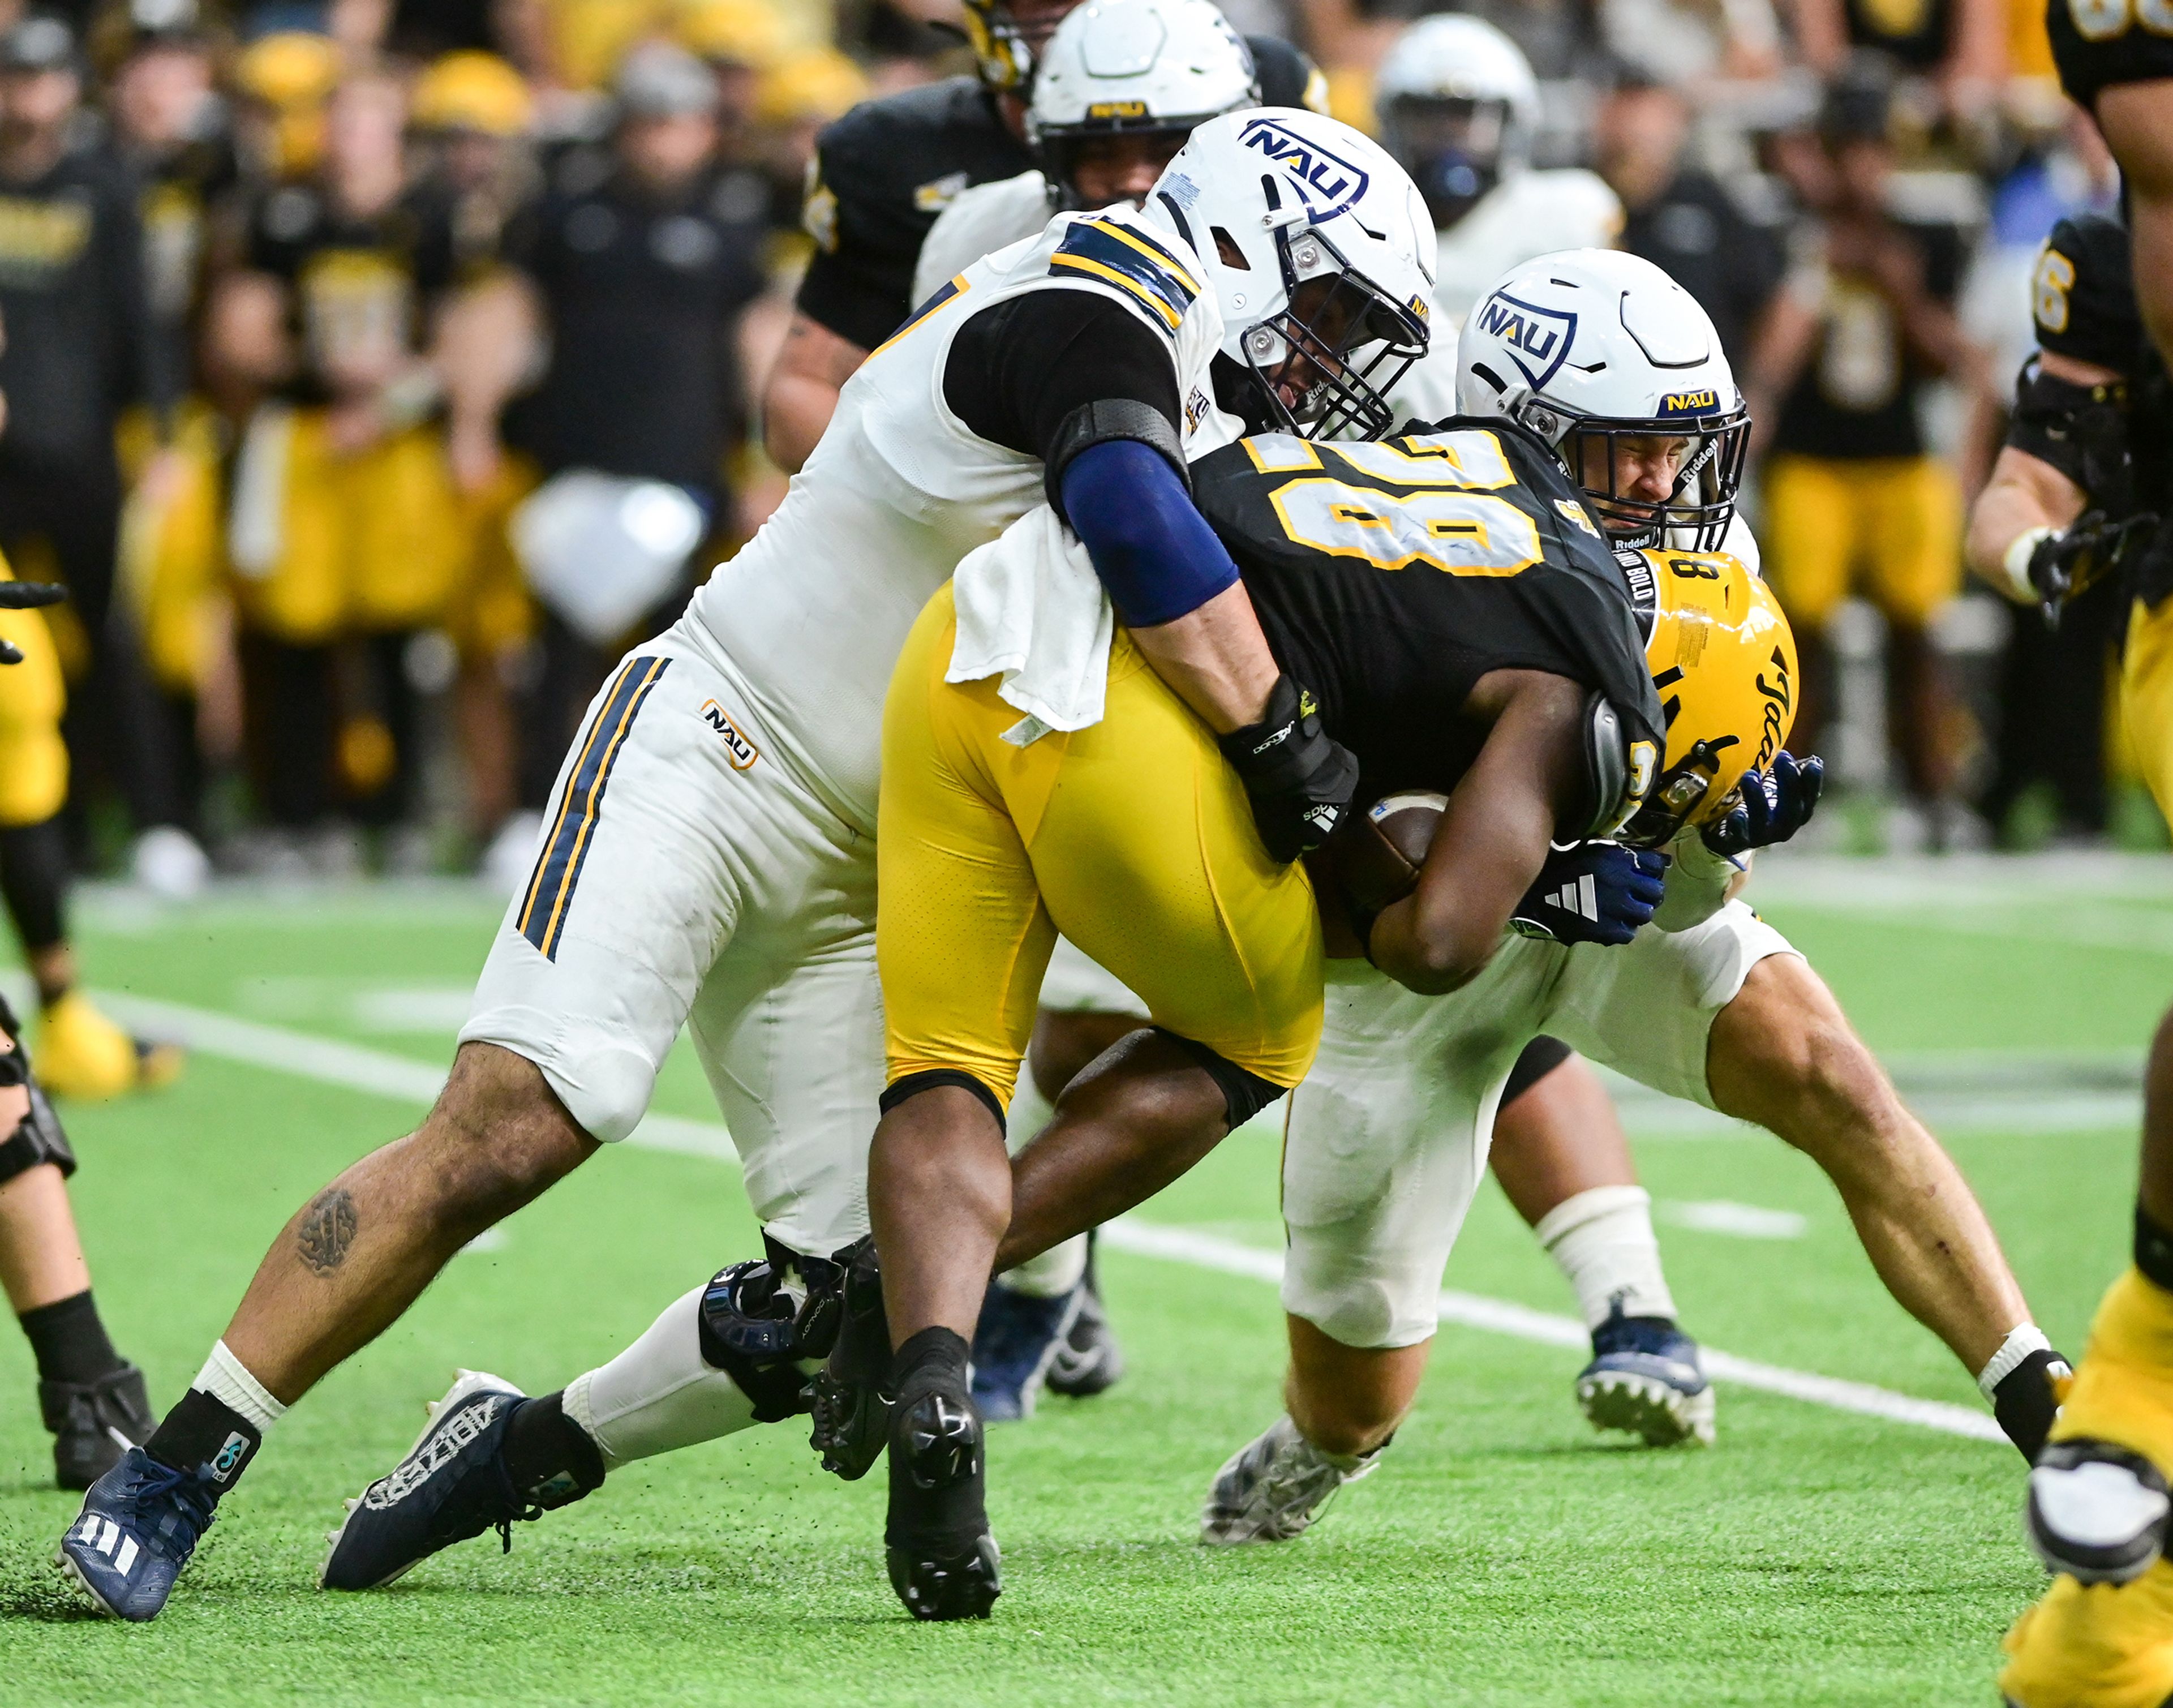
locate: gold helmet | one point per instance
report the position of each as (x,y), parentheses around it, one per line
(1723,661)
(473,91)
(1004,48)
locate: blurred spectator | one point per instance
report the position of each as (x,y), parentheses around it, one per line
(637,266)
(82,344)
(346,536)
(1693,42)
(1958,46)
(1681,219)
(1853,498)
(282,82)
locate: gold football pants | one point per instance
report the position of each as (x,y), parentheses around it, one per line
(2146,697)
(33,760)
(1132,838)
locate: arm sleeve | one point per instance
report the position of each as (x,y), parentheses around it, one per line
(1153,550)
(1017,372)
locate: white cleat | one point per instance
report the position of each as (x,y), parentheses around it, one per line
(1273,1488)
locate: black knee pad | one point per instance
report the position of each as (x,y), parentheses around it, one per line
(1541,1057)
(913,1085)
(753,1330)
(1245,1092)
(38,1137)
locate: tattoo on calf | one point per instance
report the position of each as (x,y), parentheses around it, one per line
(326,1231)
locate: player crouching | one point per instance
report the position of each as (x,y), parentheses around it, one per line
(1387,1138)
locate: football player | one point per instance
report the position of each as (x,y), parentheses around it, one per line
(92,1399)
(2083,489)
(886,170)
(709,863)
(1104,117)
(1387,1137)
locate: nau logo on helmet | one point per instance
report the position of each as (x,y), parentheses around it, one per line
(1332,182)
(1117,110)
(1691,402)
(1538,339)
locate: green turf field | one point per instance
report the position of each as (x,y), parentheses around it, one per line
(1816,1556)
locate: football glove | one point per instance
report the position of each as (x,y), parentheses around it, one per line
(1592,892)
(2060,566)
(1773,805)
(1299,779)
(24,595)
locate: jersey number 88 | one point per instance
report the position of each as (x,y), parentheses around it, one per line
(1446,525)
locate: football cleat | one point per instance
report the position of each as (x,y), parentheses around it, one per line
(452,1485)
(95,1423)
(2093,1646)
(1089,1361)
(1645,1378)
(1272,1489)
(139,1524)
(81,1054)
(944,1564)
(1015,1343)
(850,1409)
(2097,1511)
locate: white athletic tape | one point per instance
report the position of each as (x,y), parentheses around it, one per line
(379,1074)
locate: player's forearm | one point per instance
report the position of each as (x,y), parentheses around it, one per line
(1215,658)
(2026,499)
(802,393)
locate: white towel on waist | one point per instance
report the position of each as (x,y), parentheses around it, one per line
(1031,610)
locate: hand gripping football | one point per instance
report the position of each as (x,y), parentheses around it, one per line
(1378,862)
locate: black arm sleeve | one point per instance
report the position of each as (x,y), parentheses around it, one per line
(1019,371)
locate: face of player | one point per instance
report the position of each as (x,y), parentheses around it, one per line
(1639,469)
(1105,170)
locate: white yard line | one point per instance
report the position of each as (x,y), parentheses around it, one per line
(403,1080)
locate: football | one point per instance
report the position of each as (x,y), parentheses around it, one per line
(1378,862)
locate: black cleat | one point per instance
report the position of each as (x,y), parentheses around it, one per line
(95,1423)
(944,1564)
(1089,1361)
(850,1409)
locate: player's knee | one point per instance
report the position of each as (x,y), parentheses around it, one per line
(497,1136)
(1785,1056)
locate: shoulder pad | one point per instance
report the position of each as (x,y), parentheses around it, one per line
(1147,264)
(2082,294)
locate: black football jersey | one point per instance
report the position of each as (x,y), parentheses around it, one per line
(882,173)
(2099,43)
(2083,301)
(1390,578)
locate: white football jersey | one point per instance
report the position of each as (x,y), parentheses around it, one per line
(813,610)
(978,222)
(1529,214)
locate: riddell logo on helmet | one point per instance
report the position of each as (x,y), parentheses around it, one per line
(1333,183)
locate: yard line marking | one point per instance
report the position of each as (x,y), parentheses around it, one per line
(1501,1317)
(1743,1221)
(379,1073)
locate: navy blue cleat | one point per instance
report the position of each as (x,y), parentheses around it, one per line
(452,1485)
(140,1522)
(1017,1342)
(1090,1361)
(1645,1378)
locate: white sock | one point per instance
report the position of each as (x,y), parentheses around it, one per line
(1057,1270)
(225,1379)
(2019,1343)
(1052,1274)
(658,1395)
(1603,1240)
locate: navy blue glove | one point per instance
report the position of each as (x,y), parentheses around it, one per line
(1774,804)
(1592,892)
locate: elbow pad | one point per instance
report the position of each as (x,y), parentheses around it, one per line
(2080,430)
(1153,550)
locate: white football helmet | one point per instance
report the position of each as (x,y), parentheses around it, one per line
(1617,367)
(1132,67)
(1321,256)
(1458,104)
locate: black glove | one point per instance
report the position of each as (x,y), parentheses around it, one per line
(1774,804)
(1300,778)
(2063,565)
(22,596)
(1592,892)
(2025,1401)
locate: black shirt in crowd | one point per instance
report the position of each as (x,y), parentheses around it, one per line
(81,341)
(641,292)
(1695,233)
